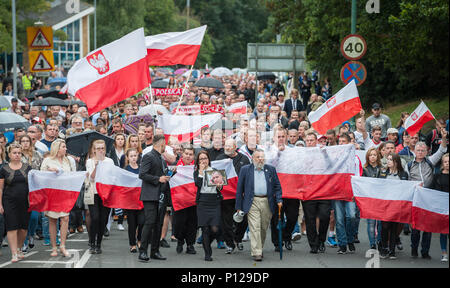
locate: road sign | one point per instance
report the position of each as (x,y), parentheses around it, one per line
(353,70)
(40,37)
(353,47)
(41,61)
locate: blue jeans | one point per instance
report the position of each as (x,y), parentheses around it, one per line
(443,239)
(426,241)
(374,231)
(358,219)
(345,215)
(45,225)
(32,225)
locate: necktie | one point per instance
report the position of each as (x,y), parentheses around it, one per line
(294,104)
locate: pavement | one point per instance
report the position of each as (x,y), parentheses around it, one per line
(116,255)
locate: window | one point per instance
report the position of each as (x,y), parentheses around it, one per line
(71,48)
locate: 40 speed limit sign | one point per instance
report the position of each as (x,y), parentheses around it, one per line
(353,47)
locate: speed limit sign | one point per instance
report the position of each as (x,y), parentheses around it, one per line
(353,47)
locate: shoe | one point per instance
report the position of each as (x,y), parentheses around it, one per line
(163,243)
(58,242)
(133,249)
(220,245)
(106,233)
(173,239)
(143,256)
(46,243)
(120,227)
(25,248)
(246,237)
(406,230)
(63,251)
(91,248)
(179,248)
(322,247)
(304,233)
(257,258)
(313,250)
(426,256)
(200,239)
(356,240)
(31,242)
(190,250)
(351,248)
(342,250)
(71,231)
(414,253)
(392,255)
(5,243)
(229,250)
(399,245)
(54,252)
(384,253)
(240,246)
(444,258)
(20,254)
(288,245)
(374,247)
(208,258)
(14,258)
(296,236)
(157,256)
(98,250)
(80,229)
(331,241)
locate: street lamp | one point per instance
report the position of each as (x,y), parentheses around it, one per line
(14,47)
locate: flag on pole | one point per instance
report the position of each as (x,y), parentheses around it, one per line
(430,210)
(174,47)
(418,118)
(54,192)
(111,73)
(339,108)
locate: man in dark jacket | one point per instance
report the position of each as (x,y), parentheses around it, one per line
(230,237)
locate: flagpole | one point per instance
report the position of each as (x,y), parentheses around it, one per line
(184,89)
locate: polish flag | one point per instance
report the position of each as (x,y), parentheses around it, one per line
(185,128)
(430,210)
(174,47)
(118,187)
(317,173)
(384,199)
(54,192)
(418,118)
(339,108)
(111,73)
(238,108)
(184,191)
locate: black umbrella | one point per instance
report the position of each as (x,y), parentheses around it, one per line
(10,121)
(160,84)
(72,102)
(209,82)
(78,145)
(50,101)
(266,76)
(54,84)
(52,92)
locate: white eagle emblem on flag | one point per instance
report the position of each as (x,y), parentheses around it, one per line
(99,62)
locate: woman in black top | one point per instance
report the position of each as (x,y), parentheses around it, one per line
(14,200)
(208,201)
(440,182)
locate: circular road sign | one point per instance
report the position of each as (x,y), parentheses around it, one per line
(353,70)
(353,47)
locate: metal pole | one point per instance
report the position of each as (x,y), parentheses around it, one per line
(14,47)
(353,31)
(188,7)
(95,25)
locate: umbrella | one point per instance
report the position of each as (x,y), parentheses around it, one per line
(57,80)
(10,121)
(52,92)
(78,145)
(152,109)
(4,103)
(180,71)
(160,84)
(132,122)
(54,84)
(209,82)
(78,102)
(280,228)
(50,101)
(266,76)
(11,97)
(221,71)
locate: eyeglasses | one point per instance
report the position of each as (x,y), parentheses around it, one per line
(100,148)
(201,159)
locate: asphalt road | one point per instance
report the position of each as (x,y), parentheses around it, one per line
(116,255)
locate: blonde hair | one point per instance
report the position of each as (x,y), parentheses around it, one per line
(442,162)
(127,146)
(14,145)
(2,153)
(54,149)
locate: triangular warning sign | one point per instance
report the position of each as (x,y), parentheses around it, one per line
(40,41)
(42,64)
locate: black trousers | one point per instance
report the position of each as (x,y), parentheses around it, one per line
(76,218)
(185,225)
(99,219)
(316,209)
(389,234)
(135,220)
(153,221)
(290,211)
(209,233)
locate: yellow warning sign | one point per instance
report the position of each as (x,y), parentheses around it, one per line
(41,61)
(40,37)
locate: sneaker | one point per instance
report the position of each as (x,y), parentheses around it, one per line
(331,241)
(322,247)
(374,247)
(246,237)
(342,250)
(392,255)
(426,256)
(414,253)
(230,250)
(4,242)
(220,245)
(25,248)
(351,248)
(304,232)
(31,242)
(240,246)
(296,236)
(384,253)
(120,227)
(46,242)
(191,250)
(106,234)
(399,245)
(356,240)
(444,258)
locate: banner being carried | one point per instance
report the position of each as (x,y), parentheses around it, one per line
(199,109)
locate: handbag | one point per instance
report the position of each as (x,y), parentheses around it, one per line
(79,204)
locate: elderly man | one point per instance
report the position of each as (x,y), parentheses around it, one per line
(258,194)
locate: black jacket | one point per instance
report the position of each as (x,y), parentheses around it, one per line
(152,167)
(288,106)
(371,171)
(239,161)
(199,183)
(401,175)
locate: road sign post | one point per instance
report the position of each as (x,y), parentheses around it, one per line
(40,45)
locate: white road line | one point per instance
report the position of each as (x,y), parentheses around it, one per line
(84,259)
(26,255)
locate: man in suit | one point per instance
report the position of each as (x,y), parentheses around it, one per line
(293,104)
(154,194)
(258,194)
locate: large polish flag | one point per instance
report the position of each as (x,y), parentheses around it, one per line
(184,191)
(185,128)
(174,47)
(339,108)
(118,187)
(238,108)
(54,192)
(418,118)
(111,73)
(430,210)
(316,173)
(384,199)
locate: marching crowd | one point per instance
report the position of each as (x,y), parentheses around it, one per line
(277,119)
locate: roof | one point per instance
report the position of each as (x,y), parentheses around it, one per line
(57,16)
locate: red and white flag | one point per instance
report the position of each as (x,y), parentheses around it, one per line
(184,191)
(430,210)
(118,187)
(384,199)
(339,108)
(198,109)
(174,47)
(54,192)
(184,128)
(111,73)
(418,118)
(238,108)
(316,173)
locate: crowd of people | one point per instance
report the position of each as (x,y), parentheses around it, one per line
(276,119)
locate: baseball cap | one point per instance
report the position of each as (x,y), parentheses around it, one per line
(392,131)
(376,106)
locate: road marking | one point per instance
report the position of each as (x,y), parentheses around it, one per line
(84,259)
(26,255)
